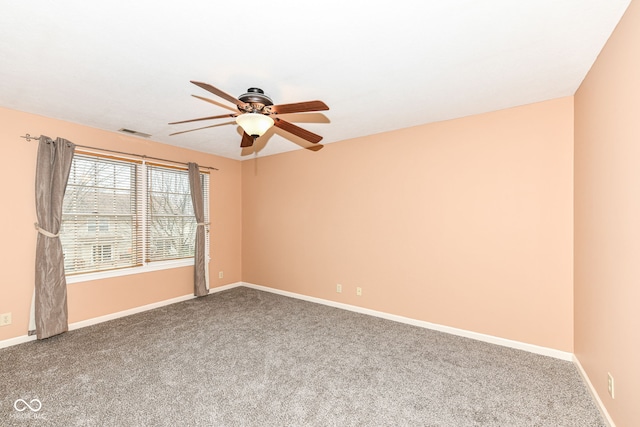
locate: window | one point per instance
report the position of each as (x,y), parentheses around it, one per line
(171,224)
(124,214)
(101,253)
(102,225)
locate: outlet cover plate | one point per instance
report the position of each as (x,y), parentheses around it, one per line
(5,319)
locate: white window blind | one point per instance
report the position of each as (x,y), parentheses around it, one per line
(100,215)
(119,213)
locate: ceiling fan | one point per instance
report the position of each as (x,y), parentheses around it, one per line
(257,114)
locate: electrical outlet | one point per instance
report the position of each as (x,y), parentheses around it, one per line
(339,288)
(610,386)
(220,274)
(359,292)
(5,319)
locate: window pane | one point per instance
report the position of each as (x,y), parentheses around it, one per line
(171,224)
(99,225)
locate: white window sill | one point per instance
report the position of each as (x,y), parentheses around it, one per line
(154,266)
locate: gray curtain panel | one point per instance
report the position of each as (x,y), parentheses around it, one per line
(200,285)
(52,172)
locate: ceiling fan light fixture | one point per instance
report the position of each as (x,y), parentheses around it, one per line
(254,114)
(254,124)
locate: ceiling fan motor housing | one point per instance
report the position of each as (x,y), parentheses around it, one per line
(256,95)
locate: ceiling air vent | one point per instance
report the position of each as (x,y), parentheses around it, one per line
(134,132)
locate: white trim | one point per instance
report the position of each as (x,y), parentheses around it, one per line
(225,287)
(532,348)
(545,351)
(594,393)
(152,266)
(17,340)
(135,310)
(94,321)
(207,230)
(129,312)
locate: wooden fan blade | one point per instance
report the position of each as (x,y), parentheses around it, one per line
(191,130)
(221,94)
(211,101)
(317,147)
(297,131)
(222,116)
(204,127)
(247,140)
(298,107)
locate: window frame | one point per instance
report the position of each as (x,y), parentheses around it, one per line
(146,266)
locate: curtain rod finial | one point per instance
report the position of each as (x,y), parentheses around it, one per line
(29,137)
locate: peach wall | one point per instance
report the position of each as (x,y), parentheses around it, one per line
(465,223)
(92,299)
(607,221)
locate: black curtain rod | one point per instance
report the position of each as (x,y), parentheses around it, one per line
(142,156)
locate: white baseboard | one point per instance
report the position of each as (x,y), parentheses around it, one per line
(532,348)
(17,340)
(447,329)
(112,316)
(225,287)
(94,321)
(594,393)
(129,312)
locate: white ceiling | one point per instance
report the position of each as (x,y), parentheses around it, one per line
(378,65)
